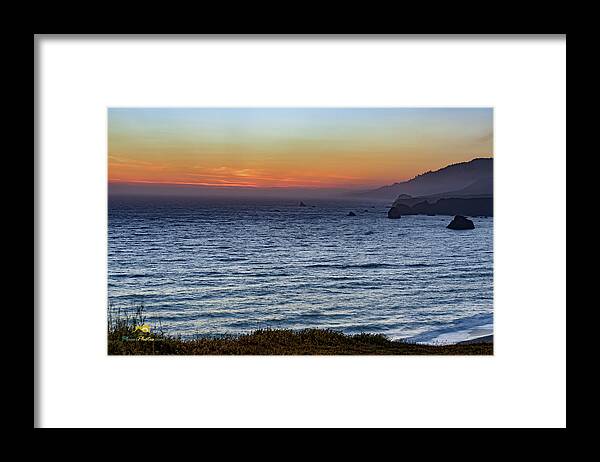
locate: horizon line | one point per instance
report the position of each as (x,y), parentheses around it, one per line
(230,186)
(257,187)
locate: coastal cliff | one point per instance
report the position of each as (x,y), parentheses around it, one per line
(464,179)
(477,206)
(460,189)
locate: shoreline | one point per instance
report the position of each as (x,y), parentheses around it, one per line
(483,339)
(462,330)
(127,340)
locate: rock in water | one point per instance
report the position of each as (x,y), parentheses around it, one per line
(351,214)
(302,204)
(394,212)
(460,222)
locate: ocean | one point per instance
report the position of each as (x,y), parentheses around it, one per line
(224,266)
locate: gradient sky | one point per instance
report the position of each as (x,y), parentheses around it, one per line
(348,148)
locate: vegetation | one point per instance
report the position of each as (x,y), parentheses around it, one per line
(127,336)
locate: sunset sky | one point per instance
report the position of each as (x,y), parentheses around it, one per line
(317,148)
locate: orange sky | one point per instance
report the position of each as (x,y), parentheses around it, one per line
(323,148)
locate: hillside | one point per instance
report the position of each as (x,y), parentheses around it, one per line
(462,179)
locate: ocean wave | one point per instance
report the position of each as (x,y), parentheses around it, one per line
(456,326)
(207,258)
(352,266)
(130,275)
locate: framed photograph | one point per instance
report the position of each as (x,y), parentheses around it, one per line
(313,231)
(244,231)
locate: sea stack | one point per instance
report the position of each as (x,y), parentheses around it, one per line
(394,212)
(351,214)
(460,222)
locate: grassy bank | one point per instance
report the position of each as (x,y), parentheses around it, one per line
(125,340)
(127,336)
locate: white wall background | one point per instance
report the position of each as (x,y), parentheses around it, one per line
(523,384)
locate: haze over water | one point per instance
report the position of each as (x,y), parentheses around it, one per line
(208,267)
